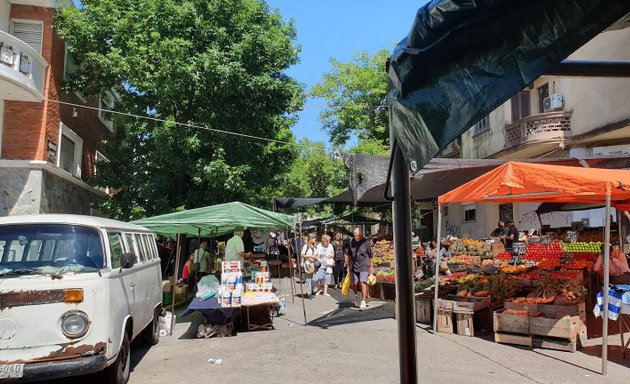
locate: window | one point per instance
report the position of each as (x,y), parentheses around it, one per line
(543,92)
(470,213)
(29,32)
(133,247)
(106,103)
(506,212)
(70,152)
(116,247)
(483,125)
(70,67)
(142,252)
(520,106)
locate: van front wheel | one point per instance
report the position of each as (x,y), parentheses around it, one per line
(118,373)
(151,334)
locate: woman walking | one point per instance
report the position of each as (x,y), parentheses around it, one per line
(309,257)
(339,269)
(326,255)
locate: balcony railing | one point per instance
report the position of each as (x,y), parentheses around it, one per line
(22,70)
(537,128)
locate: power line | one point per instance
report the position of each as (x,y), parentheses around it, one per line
(173,122)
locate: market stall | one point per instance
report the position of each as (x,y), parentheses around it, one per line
(554,306)
(220,220)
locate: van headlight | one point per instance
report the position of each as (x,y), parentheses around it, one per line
(74,324)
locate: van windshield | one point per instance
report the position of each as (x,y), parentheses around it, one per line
(49,249)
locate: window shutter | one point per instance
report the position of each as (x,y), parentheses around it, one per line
(516,104)
(66,161)
(525,108)
(30,33)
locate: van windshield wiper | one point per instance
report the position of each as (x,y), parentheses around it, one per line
(18,272)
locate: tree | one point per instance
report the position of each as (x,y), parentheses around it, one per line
(356,94)
(315,173)
(209,64)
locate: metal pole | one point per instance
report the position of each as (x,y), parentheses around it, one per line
(436,278)
(179,245)
(404,271)
(606,282)
(301,280)
(291,281)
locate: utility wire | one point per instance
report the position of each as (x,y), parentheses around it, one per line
(172,122)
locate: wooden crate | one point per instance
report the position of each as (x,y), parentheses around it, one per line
(532,309)
(510,338)
(568,327)
(444,321)
(558,311)
(465,324)
(468,304)
(446,305)
(508,323)
(424,311)
(569,345)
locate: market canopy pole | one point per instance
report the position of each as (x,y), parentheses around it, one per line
(179,239)
(437,267)
(401,208)
(605,287)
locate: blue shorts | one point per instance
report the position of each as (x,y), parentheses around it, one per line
(359,276)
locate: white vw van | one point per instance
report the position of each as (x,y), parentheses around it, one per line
(74,292)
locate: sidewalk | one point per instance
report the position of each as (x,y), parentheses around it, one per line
(343,345)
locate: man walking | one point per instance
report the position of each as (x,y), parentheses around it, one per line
(359,265)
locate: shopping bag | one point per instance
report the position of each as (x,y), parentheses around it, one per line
(345,289)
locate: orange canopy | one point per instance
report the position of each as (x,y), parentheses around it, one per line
(531,182)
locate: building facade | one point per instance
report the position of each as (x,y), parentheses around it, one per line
(555,117)
(48,148)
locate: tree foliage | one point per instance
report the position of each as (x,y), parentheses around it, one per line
(315,173)
(356,95)
(216,64)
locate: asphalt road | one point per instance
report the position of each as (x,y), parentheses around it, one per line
(341,345)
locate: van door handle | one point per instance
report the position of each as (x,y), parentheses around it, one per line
(132,286)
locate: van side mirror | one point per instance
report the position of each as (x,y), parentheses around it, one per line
(127,260)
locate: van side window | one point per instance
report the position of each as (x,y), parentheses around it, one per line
(148,241)
(133,247)
(142,252)
(116,246)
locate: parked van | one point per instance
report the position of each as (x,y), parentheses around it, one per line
(74,292)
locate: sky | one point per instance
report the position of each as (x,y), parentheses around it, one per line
(337,29)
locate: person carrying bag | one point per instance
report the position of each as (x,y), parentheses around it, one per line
(309,259)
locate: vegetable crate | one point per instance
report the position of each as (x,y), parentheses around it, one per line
(424,309)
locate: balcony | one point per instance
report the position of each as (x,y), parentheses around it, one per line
(22,70)
(550,127)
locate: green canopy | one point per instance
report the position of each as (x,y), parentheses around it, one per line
(216,220)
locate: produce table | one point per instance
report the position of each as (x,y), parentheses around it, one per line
(212,311)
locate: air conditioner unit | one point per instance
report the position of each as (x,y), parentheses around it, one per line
(552,102)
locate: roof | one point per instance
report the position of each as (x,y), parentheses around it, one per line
(216,220)
(56,218)
(530,182)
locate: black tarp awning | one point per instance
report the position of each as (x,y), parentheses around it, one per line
(440,175)
(463,58)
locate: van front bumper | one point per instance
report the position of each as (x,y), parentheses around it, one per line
(60,368)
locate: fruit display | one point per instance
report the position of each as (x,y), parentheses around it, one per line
(581,246)
(383,259)
(469,247)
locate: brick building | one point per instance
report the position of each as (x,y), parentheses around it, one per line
(47,149)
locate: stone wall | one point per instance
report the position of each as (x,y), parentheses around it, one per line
(20,191)
(62,196)
(25,191)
